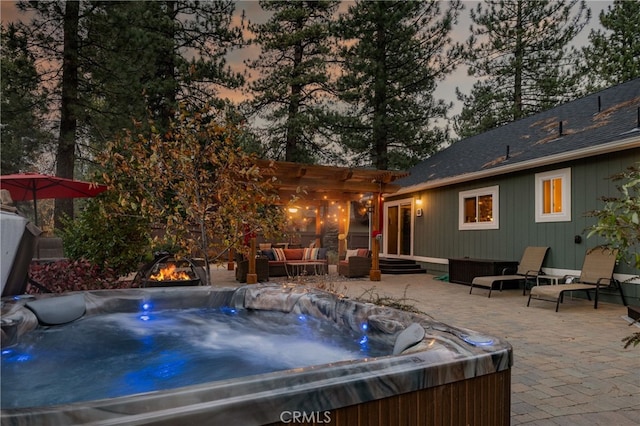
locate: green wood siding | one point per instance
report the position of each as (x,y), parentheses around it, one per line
(437,234)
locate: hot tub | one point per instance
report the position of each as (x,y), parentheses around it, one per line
(430,371)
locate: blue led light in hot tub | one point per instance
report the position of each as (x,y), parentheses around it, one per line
(24,297)
(364,340)
(146,306)
(228,310)
(11,356)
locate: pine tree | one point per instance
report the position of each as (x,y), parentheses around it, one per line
(393,55)
(69,105)
(291,91)
(22,103)
(153,55)
(613,56)
(519,51)
(112,62)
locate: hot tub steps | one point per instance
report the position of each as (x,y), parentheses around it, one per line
(400,266)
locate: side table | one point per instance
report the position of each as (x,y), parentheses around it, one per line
(551,279)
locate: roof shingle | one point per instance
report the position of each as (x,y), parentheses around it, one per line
(569,127)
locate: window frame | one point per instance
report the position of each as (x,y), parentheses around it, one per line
(565,215)
(494,192)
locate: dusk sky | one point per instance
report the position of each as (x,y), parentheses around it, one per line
(446,89)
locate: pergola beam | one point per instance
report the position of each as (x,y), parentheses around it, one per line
(334,184)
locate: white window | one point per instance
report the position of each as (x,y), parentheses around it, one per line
(478,209)
(553,196)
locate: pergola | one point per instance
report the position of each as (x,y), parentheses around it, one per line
(315,184)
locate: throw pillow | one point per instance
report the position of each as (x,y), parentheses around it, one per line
(350,253)
(322,253)
(269,253)
(310,254)
(363,252)
(279,254)
(307,254)
(293,254)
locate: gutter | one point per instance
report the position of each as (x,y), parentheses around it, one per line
(620,145)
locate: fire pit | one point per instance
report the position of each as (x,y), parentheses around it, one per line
(168,271)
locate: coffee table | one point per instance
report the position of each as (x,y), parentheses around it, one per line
(296,268)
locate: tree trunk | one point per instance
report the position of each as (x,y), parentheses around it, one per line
(293,138)
(65,156)
(379,128)
(165,102)
(519,59)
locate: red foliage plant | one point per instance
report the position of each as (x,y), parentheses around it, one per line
(72,275)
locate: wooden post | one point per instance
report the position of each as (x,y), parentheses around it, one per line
(318,227)
(230,260)
(375,274)
(342,244)
(252,276)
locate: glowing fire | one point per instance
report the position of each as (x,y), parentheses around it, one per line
(170,274)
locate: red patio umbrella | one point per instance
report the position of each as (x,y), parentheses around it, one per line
(35,186)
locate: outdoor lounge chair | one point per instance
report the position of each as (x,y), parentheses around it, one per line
(530,267)
(358,264)
(597,272)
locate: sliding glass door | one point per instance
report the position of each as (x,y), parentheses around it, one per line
(399,229)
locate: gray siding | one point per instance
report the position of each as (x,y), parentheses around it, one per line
(437,234)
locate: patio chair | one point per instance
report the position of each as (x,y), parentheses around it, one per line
(357,263)
(597,272)
(530,267)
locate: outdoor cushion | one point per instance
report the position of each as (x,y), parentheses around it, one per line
(310,254)
(363,252)
(293,254)
(279,254)
(351,253)
(269,254)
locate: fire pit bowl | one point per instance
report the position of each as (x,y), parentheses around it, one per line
(168,271)
(170,283)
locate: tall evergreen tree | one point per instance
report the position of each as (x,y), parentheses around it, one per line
(69,105)
(519,51)
(393,54)
(291,92)
(613,55)
(23,105)
(149,56)
(53,37)
(114,61)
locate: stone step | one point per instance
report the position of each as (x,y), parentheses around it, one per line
(403,271)
(400,266)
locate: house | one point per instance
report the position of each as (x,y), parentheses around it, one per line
(528,183)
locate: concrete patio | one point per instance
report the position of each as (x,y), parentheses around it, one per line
(570,367)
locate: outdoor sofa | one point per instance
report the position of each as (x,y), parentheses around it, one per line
(287,261)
